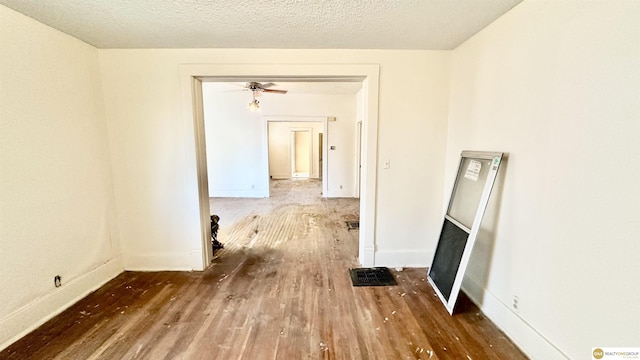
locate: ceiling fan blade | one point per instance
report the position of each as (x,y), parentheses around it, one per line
(275,91)
(266,85)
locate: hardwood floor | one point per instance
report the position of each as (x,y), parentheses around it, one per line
(280,289)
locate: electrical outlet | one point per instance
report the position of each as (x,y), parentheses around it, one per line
(57,281)
(515,303)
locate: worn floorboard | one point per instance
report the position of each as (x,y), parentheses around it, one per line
(280,289)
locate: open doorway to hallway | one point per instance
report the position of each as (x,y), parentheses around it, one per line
(251,155)
(192,78)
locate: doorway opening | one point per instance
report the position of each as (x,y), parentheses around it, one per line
(295,148)
(301,151)
(192,77)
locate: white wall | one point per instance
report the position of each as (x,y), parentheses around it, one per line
(413,127)
(157,199)
(280,147)
(340,133)
(556,85)
(236,143)
(57,212)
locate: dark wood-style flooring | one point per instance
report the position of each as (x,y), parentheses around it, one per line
(279,290)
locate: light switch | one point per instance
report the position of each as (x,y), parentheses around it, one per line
(387,164)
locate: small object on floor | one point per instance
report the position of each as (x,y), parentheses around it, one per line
(377,276)
(353,225)
(215,244)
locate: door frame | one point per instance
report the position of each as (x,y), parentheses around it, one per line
(197,195)
(311,119)
(358,157)
(321,155)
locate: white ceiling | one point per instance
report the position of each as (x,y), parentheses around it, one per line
(281,24)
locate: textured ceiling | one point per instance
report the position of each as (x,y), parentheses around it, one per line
(282,24)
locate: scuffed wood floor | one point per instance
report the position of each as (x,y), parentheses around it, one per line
(280,289)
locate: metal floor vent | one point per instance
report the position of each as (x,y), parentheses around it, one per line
(353,225)
(378,276)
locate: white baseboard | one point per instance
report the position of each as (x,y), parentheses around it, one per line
(29,317)
(281,176)
(163,261)
(402,258)
(532,343)
(344,193)
(250,193)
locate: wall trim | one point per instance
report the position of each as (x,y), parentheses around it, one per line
(531,342)
(281,176)
(251,193)
(29,317)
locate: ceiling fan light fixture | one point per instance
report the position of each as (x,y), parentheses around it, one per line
(254,105)
(257,88)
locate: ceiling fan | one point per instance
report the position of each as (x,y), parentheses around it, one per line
(256,88)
